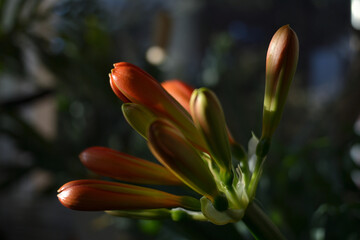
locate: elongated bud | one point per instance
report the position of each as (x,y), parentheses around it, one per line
(174,151)
(110,163)
(96,195)
(137,86)
(281,62)
(139,117)
(209,119)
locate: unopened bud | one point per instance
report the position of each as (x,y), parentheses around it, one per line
(281,62)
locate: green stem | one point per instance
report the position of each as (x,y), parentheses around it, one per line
(260,225)
(255,178)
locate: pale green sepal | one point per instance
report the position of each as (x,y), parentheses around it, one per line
(139,117)
(217,217)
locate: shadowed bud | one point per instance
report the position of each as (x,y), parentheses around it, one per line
(96,195)
(281,62)
(180,91)
(137,86)
(110,163)
(172,149)
(209,119)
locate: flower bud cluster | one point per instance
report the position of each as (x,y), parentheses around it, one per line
(186,131)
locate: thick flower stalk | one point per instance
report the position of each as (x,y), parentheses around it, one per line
(186,131)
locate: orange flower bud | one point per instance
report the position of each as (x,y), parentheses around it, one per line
(117,92)
(137,86)
(124,167)
(96,195)
(281,62)
(180,91)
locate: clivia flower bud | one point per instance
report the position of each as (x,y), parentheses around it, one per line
(281,62)
(121,166)
(178,155)
(132,84)
(209,119)
(96,195)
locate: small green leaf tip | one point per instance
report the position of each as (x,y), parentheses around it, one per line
(138,116)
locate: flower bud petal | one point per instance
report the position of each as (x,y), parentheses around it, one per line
(209,119)
(180,91)
(281,62)
(96,195)
(110,163)
(117,92)
(172,149)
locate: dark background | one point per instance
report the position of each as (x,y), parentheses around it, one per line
(55,101)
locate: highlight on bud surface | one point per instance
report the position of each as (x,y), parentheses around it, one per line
(110,163)
(209,119)
(177,154)
(96,195)
(281,62)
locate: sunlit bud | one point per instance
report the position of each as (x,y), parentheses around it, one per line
(110,163)
(281,62)
(161,213)
(180,91)
(138,116)
(137,86)
(209,119)
(96,195)
(174,151)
